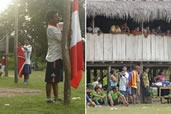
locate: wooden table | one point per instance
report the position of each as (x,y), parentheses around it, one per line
(168,97)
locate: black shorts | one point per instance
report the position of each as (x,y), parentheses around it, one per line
(57,71)
(133,90)
(26,69)
(115,102)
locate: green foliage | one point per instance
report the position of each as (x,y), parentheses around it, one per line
(32,22)
(40,62)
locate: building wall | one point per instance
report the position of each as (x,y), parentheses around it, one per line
(122,47)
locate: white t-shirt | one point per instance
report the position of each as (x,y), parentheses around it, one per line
(54,37)
(96,29)
(123,82)
(27,53)
(96,83)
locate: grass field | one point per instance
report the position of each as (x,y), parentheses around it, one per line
(132,109)
(35,104)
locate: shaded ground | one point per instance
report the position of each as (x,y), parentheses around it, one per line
(10,92)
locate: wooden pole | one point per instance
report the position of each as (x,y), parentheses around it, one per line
(108,78)
(7,51)
(16,43)
(93,24)
(65,51)
(88,75)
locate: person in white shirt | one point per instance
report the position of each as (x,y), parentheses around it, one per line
(27,48)
(54,69)
(123,81)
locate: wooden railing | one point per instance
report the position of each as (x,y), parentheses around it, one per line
(122,47)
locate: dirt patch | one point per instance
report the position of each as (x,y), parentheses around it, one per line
(10,92)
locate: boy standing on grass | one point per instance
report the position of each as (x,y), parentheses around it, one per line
(54,69)
(27,49)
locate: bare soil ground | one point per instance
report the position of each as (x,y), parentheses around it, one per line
(10,92)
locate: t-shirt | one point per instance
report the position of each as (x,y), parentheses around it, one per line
(123,83)
(96,83)
(112,83)
(134,79)
(145,79)
(114,96)
(114,29)
(158,31)
(3,62)
(124,29)
(27,53)
(54,37)
(92,94)
(162,78)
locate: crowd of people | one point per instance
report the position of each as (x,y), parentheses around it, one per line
(126,88)
(124,29)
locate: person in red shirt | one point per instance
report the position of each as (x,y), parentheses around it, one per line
(136,31)
(3,64)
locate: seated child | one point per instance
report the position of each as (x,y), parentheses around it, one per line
(115,97)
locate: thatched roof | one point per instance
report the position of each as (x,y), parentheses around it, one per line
(139,10)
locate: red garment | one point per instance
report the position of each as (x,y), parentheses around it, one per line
(21,60)
(134,32)
(3,62)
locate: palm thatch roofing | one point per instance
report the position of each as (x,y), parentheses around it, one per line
(138,10)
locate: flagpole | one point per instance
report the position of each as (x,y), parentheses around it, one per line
(16,43)
(65,51)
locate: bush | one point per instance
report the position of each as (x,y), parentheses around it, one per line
(40,63)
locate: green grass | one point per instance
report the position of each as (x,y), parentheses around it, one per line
(132,109)
(36,104)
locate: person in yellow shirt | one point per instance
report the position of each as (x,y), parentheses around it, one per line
(115,29)
(133,84)
(146,85)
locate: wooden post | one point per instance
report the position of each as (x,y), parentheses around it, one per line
(65,51)
(7,51)
(93,24)
(95,73)
(142,27)
(141,92)
(88,75)
(101,75)
(108,76)
(16,43)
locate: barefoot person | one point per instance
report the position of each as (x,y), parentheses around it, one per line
(27,48)
(54,69)
(115,97)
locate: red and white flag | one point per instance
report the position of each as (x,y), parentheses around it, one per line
(76,52)
(21,60)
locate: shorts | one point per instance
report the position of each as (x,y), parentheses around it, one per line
(57,71)
(146,91)
(115,102)
(125,93)
(133,90)
(26,69)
